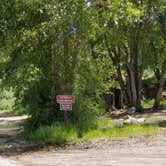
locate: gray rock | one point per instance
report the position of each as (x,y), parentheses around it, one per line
(132,120)
(131,110)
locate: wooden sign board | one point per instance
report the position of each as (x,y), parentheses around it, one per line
(65,99)
(66,107)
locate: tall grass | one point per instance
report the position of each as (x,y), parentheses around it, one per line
(54,134)
(106,128)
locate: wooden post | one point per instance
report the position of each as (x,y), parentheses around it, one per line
(65,119)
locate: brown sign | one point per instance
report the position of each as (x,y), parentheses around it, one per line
(65,99)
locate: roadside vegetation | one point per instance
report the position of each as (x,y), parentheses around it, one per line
(105,128)
(149,103)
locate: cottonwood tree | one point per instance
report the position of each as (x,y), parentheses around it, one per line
(49,55)
(159,49)
(125,26)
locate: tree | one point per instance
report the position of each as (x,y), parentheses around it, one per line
(49,55)
(160,69)
(124,27)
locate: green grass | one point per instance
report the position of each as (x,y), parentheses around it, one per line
(163,103)
(122,132)
(115,129)
(106,128)
(149,103)
(55,134)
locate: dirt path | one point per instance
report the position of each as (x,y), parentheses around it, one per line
(141,151)
(10,127)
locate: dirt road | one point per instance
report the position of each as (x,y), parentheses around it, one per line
(131,152)
(128,152)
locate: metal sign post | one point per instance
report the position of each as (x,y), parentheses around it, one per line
(65,102)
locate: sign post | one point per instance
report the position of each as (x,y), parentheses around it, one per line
(65,102)
(65,119)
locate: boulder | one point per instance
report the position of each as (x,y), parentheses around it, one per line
(132,120)
(131,110)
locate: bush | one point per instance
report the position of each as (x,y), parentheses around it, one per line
(54,134)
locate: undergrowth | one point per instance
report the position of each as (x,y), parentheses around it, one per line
(105,128)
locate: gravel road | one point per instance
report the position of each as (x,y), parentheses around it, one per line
(149,151)
(130,152)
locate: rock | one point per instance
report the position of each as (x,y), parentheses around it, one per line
(132,120)
(141,120)
(131,110)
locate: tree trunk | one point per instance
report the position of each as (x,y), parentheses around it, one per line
(115,60)
(133,92)
(122,86)
(118,101)
(139,79)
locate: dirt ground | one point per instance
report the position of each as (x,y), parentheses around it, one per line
(142,151)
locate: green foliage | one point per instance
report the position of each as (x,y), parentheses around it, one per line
(163,104)
(42,31)
(6,101)
(148,103)
(6,104)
